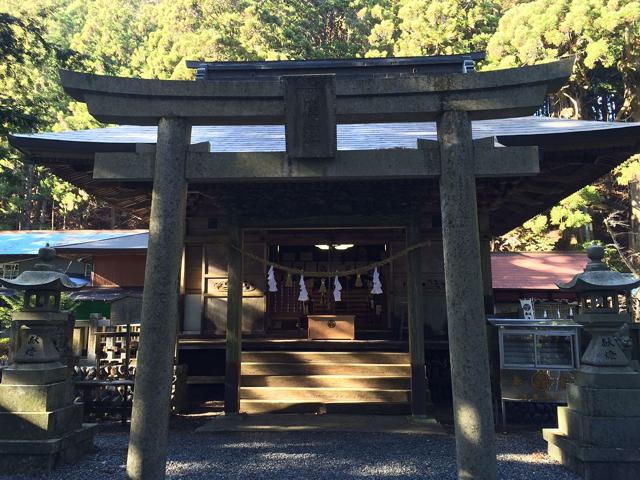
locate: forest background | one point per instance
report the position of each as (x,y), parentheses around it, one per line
(154,38)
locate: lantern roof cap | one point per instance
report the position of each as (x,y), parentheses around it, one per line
(598,277)
(44,277)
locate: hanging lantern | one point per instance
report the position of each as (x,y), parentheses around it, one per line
(337,287)
(377,285)
(358,283)
(289,281)
(271,280)
(304,295)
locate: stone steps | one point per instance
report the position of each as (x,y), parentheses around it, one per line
(350,408)
(328,381)
(325,382)
(306,394)
(325,368)
(324,357)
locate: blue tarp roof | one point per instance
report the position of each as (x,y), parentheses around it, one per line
(27,242)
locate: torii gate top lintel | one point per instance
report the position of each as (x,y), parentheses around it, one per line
(263,101)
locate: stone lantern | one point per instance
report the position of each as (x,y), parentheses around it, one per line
(40,425)
(598,434)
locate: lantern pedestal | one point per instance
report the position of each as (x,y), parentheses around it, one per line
(40,425)
(598,434)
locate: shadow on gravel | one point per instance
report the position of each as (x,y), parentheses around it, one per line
(312,455)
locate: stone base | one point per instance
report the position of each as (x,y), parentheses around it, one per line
(28,456)
(591,462)
(604,402)
(616,379)
(601,431)
(598,434)
(35,398)
(40,425)
(34,374)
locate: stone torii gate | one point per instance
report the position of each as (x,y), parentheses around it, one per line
(310,106)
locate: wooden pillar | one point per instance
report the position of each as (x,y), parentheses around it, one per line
(634,207)
(471,387)
(415,301)
(485,262)
(234,322)
(150,418)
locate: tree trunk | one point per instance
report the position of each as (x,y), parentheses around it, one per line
(28,196)
(44,206)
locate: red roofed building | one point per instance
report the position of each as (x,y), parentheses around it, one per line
(532,275)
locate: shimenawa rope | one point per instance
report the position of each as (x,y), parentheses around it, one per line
(339,273)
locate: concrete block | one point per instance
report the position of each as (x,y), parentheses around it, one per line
(34,374)
(40,425)
(604,402)
(30,456)
(595,379)
(35,398)
(593,463)
(599,431)
(310,121)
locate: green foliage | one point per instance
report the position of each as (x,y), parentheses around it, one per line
(533,236)
(154,38)
(542,232)
(4,350)
(604,35)
(573,211)
(628,171)
(9,305)
(441,27)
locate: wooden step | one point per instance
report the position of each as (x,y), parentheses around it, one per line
(353,408)
(325,368)
(328,381)
(324,395)
(312,381)
(327,357)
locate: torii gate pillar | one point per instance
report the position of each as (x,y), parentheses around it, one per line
(471,387)
(150,417)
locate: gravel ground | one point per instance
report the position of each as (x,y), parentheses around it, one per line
(308,455)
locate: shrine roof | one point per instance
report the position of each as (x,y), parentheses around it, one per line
(350,66)
(573,153)
(535,270)
(376,136)
(137,240)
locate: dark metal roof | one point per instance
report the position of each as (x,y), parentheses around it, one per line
(105,294)
(573,154)
(134,241)
(349,67)
(374,136)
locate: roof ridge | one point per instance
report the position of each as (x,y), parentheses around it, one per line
(146,232)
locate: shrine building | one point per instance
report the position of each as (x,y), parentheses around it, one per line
(402,168)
